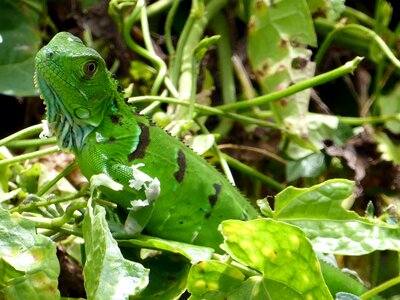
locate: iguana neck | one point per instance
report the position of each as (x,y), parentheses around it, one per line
(71,135)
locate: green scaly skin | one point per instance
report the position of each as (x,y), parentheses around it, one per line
(91,119)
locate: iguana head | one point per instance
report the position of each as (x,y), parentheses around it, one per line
(76,86)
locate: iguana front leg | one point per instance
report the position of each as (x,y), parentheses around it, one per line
(134,187)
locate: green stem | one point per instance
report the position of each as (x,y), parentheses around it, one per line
(251,172)
(222,161)
(60,221)
(348,67)
(158,7)
(52,182)
(32,130)
(30,155)
(243,78)
(357,121)
(221,27)
(207,110)
(176,63)
(380,288)
(167,28)
(362,30)
(200,16)
(353,121)
(154,59)
(359,16)
(34,205)
(31,143)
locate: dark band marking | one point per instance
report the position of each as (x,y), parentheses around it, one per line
(116,119)
(213,198)
(144,141)
(181,160)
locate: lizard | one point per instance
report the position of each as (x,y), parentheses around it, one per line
(185,198)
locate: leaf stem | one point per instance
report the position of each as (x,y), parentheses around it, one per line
(52,182)
(221,27)
(250,171)
(31,143)
(60,221)
(34,205)
(167,28)
(348,67)
(380,288)
(363,30)
(30,155)
(29,131)
(207,110)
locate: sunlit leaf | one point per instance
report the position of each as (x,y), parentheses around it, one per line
(280,252)
(319,211)
(213,280)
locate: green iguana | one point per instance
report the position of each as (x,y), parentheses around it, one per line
(167,188)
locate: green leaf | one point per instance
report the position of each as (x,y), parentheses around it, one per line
(310,166)
(168,274)
(28,179)
(329,9)
(202,47)
(279,33)
(107,274)
(319,211)
(29,266)
(319,129)
(213,280)
(390,151)
(390,105)
(192,252)
(19,40)
(280,252)
(260,288)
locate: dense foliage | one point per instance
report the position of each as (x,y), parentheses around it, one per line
(299,98)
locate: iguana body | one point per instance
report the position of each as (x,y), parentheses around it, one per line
(91,119)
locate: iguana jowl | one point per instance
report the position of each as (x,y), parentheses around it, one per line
(91,119)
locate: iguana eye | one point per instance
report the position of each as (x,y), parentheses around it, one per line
(90,68)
